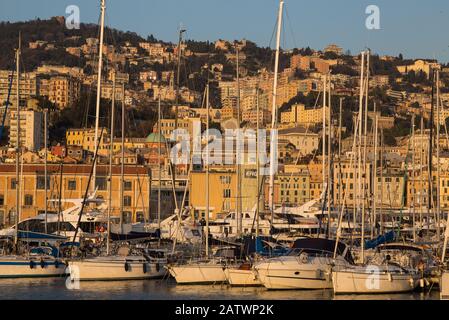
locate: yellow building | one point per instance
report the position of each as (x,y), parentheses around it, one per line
(346,175)
(85,138)
(299,115)
(223,190)
(74,182)
(168,126)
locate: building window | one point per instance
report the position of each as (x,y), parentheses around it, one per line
(28,200)
(225,179)
(127,201)
(40,182)
(2,201)
(100,182)
(13,184)
(127,185)
(72,185)
(226,193)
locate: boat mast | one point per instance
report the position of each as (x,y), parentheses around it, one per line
(431,142)
(274,110)
(438,154)
(239,168)
(100,66)
(323,145)
(421,173)
(257,163)
(45,170)
(207,172)
(413,178)
(122,161)
(374,219)
(359,165)
(18,151)
(339,154)
(381,217)
(365,145)
(111,152)
(159,164)
(329,177)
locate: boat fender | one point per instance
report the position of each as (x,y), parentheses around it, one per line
(31,264)
(144,266)
(42,264)
(421,282)
(304,258)
(126,266)
(390,278)
(158,267)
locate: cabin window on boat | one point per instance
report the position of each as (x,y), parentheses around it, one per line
(71,185)
(40,182)
(11,217)
(127,201)
(28,200)
(101,183)
(140,217)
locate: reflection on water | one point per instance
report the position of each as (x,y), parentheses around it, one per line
(55,288)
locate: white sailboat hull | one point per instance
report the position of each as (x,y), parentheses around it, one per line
(290,274)
(359,282)
(242,278)
(198,273)
(104,269)
(444,286)
(23,268)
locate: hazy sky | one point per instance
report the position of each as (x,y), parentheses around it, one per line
(414,28)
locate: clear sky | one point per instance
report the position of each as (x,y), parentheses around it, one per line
(416,28)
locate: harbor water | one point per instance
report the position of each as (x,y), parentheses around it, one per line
(167,289)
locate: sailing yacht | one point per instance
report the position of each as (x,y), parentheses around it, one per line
(308,265)
(123,266)
(244,275)
(63,224)
(393,268)
(205,270)
(39,262)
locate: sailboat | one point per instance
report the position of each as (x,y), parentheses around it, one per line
(38,261)
(123,265)
(307,266)
(204,270)
(380,275)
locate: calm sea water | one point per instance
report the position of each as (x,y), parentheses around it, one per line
(55,289)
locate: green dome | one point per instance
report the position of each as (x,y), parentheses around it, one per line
(155,138)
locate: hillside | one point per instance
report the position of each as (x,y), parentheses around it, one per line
(52,31)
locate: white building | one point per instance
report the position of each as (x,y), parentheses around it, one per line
(31,129)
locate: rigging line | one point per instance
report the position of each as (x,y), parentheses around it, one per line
(290,26)
(87,188)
